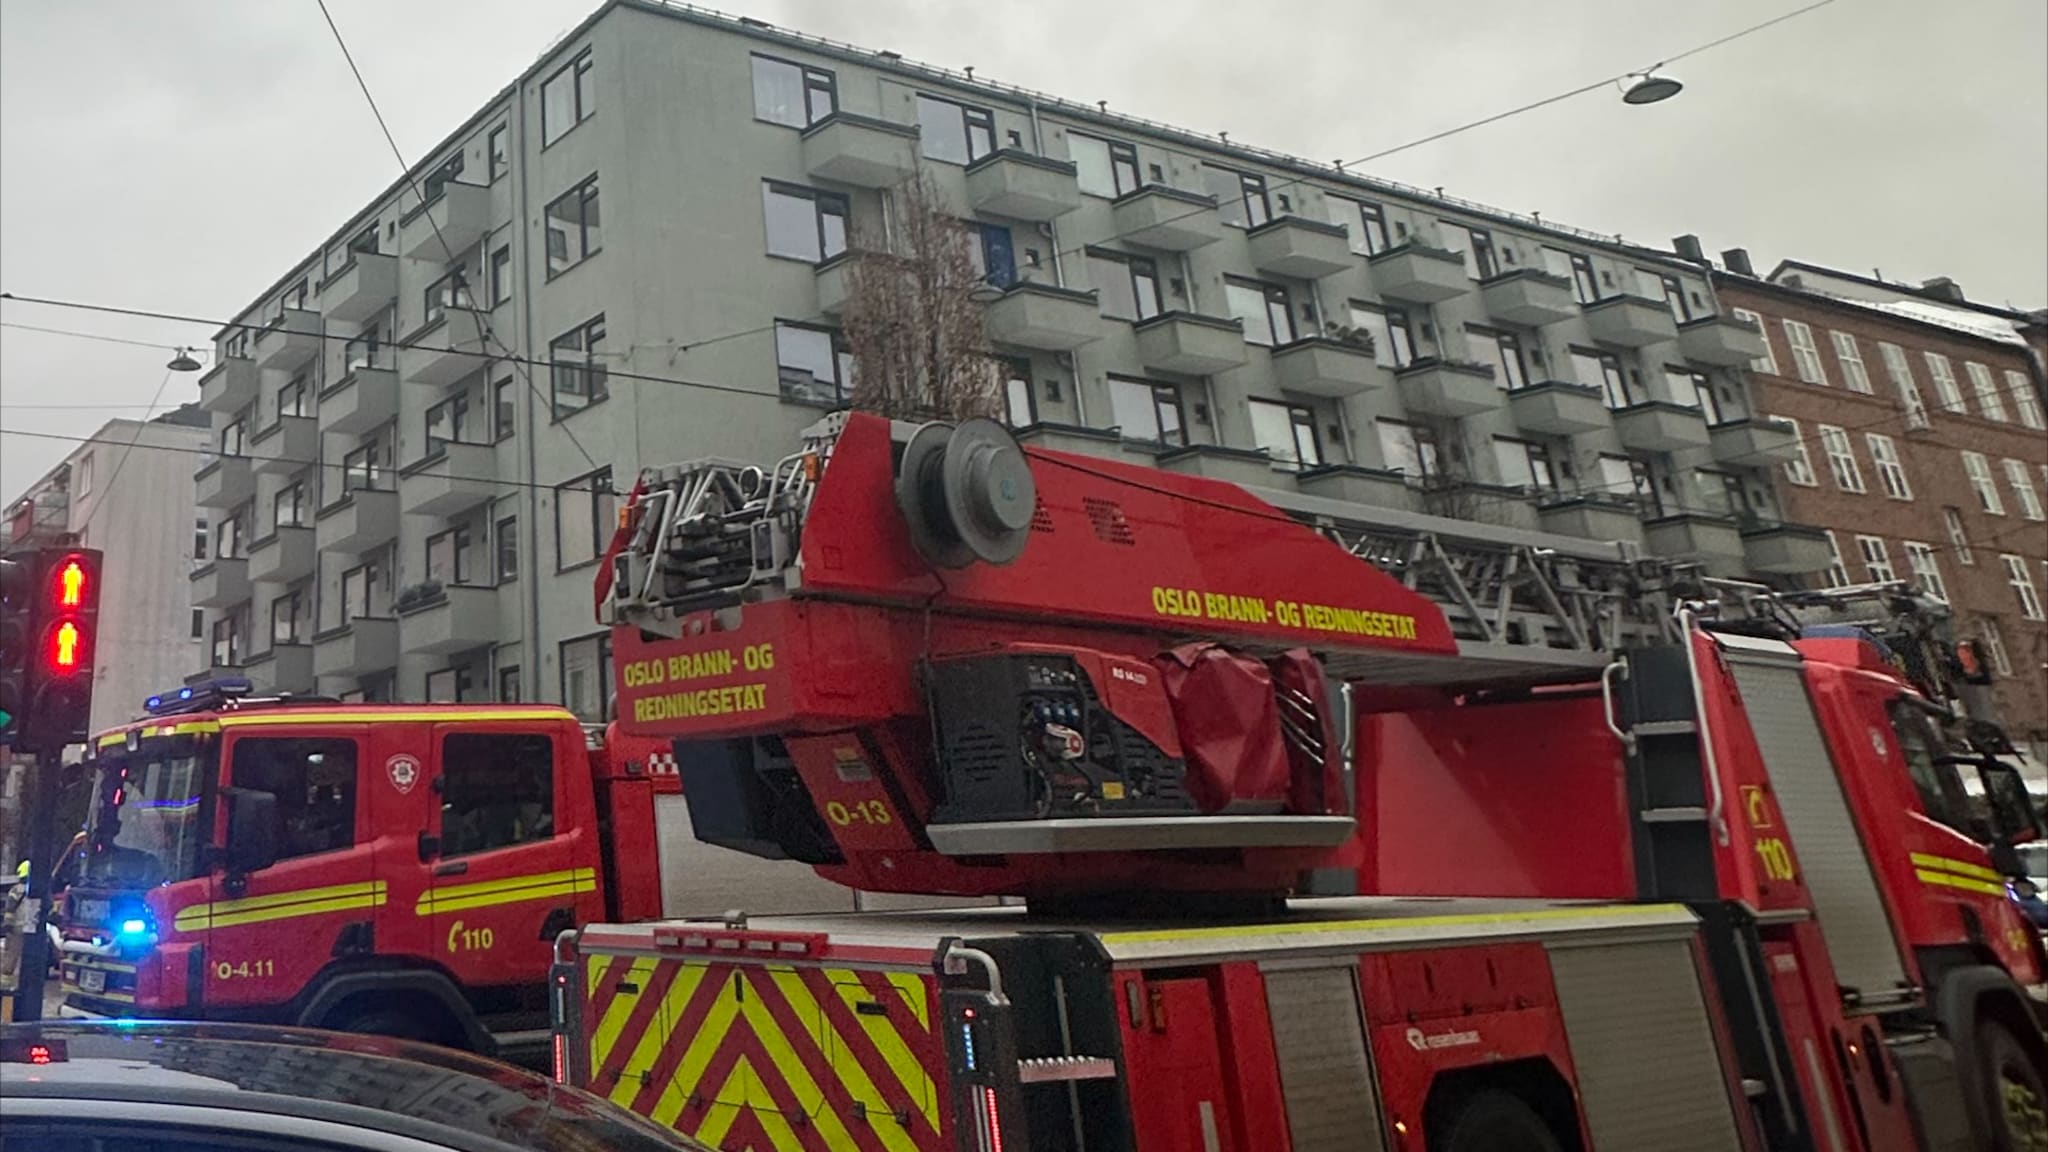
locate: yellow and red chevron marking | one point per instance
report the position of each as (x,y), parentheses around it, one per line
(771,1058)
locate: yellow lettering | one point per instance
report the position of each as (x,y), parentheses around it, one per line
(702,702)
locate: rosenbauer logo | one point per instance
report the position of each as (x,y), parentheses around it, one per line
(1422,1042)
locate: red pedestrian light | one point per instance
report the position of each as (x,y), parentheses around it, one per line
(65,642)
(70,581)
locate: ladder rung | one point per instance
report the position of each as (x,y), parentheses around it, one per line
(1666,728)
(1673,815)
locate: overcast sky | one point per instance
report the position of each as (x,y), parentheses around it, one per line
(178,155)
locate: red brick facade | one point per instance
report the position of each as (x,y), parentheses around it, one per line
(1933,460)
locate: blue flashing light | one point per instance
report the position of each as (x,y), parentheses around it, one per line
(193,697)
(152,704)
(184,693)
(134,927)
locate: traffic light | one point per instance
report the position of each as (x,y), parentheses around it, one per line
(17,625)
(50,626)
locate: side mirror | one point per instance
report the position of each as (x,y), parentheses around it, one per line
(252,830)
(2013,816)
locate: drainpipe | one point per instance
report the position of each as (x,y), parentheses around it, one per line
(531,657)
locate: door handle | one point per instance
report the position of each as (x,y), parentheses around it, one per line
(451,868)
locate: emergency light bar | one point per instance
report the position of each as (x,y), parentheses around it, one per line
(197,697)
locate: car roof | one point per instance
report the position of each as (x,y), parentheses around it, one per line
(370,1082)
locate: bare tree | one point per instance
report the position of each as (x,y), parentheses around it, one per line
(919,346)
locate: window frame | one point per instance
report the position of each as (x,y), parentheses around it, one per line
(2021,481)
(1805,353)
(498,773)
(1993,639)
(1925,565)
(819,200)
(337,828)
(1877,561)
(1947,391)
(1512,364)
(595,487)
(497,156)
(1164,398)
(807,76)
(505,549)
(1016,370)
(1116,154)
(1387,323)
(1371,218)
(579,69)
(1842,464)
(1958,535)
(504,412)
(1803,461)
(842,384)
(2026,405)
(460,539)
(1613,383)
(2020,578)
(1849,358)
(1141,275)
(1530,455)
(1275,302)
(585,194)
(971,117)
(1990,404)
(1300,418)
(1900,369)
(1891,468)
(1768,362)
(499,273)
(1977,467)
(588,366)
(1836,574)
(1423,444)
(606,689)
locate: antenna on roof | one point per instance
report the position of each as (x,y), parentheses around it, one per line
(970,71)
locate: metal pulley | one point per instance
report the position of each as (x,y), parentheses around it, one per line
(966,493)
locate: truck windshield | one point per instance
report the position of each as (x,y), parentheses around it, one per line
(1941,789)
(147,821)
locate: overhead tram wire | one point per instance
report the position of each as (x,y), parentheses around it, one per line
(489,333)
(141,426)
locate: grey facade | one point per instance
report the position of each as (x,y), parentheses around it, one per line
(670,185)
(136,506)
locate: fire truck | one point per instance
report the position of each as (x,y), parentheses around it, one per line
(1317,834)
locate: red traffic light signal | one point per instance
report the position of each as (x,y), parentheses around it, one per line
(69,583)
(59,609)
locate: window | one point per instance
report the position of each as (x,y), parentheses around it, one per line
(1958,536)
(449,556)
(2022,484)
(508,684)
(992,256)
(803,224)
(1147,411)
(1617,477)
(566,99)
(1766,362)
(1926,568)
(1392,344)
(363,592)
(1287,432)
(291,616)
(576,368)
(497,789)
(1364,220)
(1805,357)
(291,399)
(1020,407)
(1841,458)
(495,150)
(81,473)
(792,94)
(1877,559)
(1799,469)
(227,535)
(289,507)
(1994,646)
(1979,471)
(448,423)
(1850,357)
(201,537)
(812,366)
(1989,401)
(1263,308)
(1694,391)
(450,686)
(314,780)
(501,275)
(1602,370)
(1479,258)
(1241,196)
(587,676)
(364,351)
(1945,389)
(584,514)
(1103,167)
(2023,399)
(1585,285)
(506,539)
(2022,582)
(955,133)
(1836,574)
(575,232)
(1891,474)
(234,437)
(1127,287)
(1673,293)
(1525,465)
(1510,371)
(1411,450)
(227,641)
(1900,370)
(199,624)
(440,296)
(434,184)
(502,410)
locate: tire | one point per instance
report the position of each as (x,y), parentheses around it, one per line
(399,1025)
(2018,1107)
(1493,1121)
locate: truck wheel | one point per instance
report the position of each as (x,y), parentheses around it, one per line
(397,1025)
(1494,1121)
(2019,1102)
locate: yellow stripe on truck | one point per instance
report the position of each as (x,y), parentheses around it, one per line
(1950,880)
(1960,867)
(512,890)
(280,906)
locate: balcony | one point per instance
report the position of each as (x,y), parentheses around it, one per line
(1419,273)
(1236,465)
(1319,367)
(231,386)
(290,445)
(1191,345)
(1713,542)
(444,619)
(1629,321)
(364,399)
(454,478)
(1374,487)
(448,225)
(833,277)
(1041,316)
(1559,408)
(224,483)
(1303,249)
(1448,389)
(361,289)
(1722,341)
(1528,296)
(1786,549)
(1167,219)
(283,556)
(860,150)
(1501,504)
(1661,426)
(1595,517)
(1755,442)
(1019,186)
(364,645)
(445,350)
(285,668)
(290,341)
(1102,442)
(220,583)
(362,519)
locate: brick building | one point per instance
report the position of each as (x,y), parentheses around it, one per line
(1924,453)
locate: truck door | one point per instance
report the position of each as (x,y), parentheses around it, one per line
(504,879)
(271,931)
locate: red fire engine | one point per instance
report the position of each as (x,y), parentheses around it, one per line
(1328,835)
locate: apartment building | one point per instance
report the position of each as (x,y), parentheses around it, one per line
(1924,454)
(134,504)
(635,255)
